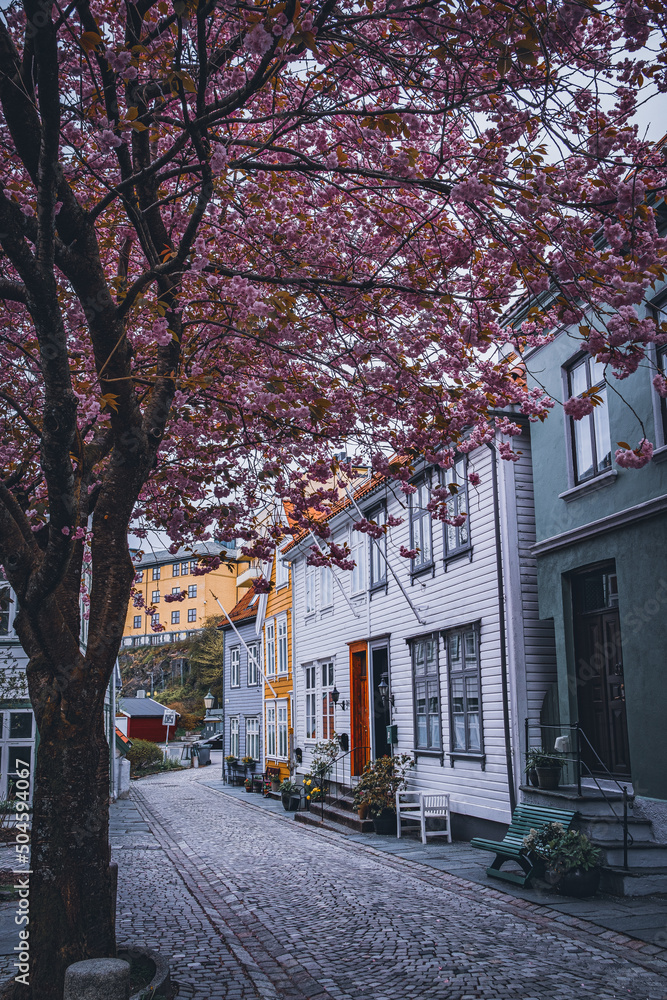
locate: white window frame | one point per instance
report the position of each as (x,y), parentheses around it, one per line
(358,545)
(252,743)
(282,730)
(271,729)
(234,741)
(7,742)
(235,667)
(282,571)
(326,587)
(282,646)
(310,683)
(325,675)
(270,647)
(253,664)
(310,588)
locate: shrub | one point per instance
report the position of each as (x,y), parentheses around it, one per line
(380,781)
(142,754)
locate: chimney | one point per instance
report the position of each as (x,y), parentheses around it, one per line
(141,693)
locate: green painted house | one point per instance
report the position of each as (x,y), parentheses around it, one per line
(601,553)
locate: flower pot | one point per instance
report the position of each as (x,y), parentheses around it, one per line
(532,777)
(579,883)
(548,777)
(248,789)
(363,810)
(385,822)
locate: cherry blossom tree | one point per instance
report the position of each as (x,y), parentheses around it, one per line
(237,236)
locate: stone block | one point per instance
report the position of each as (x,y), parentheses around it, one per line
(98,979)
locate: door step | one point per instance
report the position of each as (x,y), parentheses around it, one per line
(634,882)
(337,814)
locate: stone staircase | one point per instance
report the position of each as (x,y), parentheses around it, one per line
(339,815)
(600,817)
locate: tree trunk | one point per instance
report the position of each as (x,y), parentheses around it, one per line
(71,916)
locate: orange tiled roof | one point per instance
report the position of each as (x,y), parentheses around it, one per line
(245,610)
(368,486)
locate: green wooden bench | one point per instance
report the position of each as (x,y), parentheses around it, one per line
(510,848)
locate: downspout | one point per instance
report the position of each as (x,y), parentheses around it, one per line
(502,628)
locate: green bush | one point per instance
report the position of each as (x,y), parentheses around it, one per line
(142,754)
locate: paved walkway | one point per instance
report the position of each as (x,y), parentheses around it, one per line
(643,918)
(250,904)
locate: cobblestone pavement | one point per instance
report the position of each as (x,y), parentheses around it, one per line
(250,904)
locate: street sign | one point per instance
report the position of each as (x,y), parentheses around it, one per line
(169,717)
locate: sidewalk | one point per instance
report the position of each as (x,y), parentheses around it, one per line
(643,917)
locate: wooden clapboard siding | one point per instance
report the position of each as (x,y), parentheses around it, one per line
(461,592)
(279,602)
(244,701)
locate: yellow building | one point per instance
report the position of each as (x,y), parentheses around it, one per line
(160,574)
(276,612)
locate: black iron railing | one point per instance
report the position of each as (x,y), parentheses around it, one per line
(582,768)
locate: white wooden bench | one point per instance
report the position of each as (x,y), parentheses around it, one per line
(420,806)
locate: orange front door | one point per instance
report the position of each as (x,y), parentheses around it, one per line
(361,737)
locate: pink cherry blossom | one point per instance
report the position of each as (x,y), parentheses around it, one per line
(634,458)
(578,407)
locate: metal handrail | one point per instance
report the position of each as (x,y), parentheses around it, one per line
(580,763)
(340,757)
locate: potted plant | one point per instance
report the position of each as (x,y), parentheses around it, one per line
(571,862)
(533,754)
(231,759)
(547,766)
(377,788)
(249,762)
(247,784)
(290,795)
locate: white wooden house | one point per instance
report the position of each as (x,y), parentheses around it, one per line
(431,629)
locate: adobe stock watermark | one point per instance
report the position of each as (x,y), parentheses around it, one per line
(22,869)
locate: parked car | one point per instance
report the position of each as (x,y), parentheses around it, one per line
(213,742)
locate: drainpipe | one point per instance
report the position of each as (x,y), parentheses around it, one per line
(501,625)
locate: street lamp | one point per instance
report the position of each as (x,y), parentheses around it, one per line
(209,701)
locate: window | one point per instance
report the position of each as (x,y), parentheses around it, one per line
(192,614)
(252,738)
(282,571)
(271,730)
(311,704)
(591,443)
(234,735)
(193,565)
(283,662)
(184,569)
(358,554)
(328,726)
(139,576)
(156,572)
(235,667)
(175,617)
(282,728)
(661,358)
(176,569)
(192,590)
(155,619)
(155,597)
(175,590)
(426,681)
(464,690)
(326,586)
(420,526)
(270,634)
(457,537)
(253,664)
(20,725)
(137,621)
(310,588)
(378,550)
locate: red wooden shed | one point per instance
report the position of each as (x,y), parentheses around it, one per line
(144,719)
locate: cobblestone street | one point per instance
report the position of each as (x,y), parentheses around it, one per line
(250,904)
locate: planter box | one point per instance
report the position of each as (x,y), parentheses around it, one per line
(385,823)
